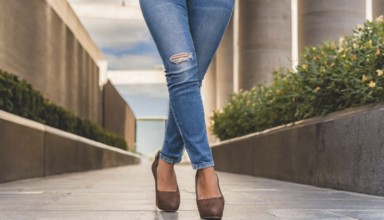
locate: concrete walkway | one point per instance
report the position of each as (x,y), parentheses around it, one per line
(128,193)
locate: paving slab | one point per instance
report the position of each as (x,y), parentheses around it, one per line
(127,192)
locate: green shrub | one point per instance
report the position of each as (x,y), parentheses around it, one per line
(18,97)
(331,77)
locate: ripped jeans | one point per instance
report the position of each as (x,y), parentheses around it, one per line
(187,34)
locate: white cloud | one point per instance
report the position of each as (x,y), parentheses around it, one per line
(108,11)
(104,2)
(137,77)
(132,62)
(126,43)
(116,32)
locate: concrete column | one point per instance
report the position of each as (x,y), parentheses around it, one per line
(327,20)
(208,93)
(264,39)
(224,67)
(377,8)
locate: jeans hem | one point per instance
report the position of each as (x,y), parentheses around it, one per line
(169,160)
(203,165)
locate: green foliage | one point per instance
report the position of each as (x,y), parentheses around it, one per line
(332,76)
(18,97)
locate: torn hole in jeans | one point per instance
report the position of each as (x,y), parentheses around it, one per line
(180,57)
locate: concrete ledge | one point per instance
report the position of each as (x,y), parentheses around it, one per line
(29,149)
(343,150)
(21,150)
(89,157)
(61,153)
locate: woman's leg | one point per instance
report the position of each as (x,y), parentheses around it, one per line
(173,144)
(168,23)
(203,16)
(208,20)
(186,34)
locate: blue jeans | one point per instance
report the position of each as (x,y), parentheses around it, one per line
(187,34)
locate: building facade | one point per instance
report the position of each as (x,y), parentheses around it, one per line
(43,42)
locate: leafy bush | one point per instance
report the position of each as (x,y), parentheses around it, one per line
(331,77)
(18,97)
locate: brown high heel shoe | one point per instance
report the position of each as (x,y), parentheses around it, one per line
(210,208)
(166,201)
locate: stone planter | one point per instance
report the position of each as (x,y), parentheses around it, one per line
(344,150)
(29,149)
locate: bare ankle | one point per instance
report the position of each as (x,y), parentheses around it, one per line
(166,176)
(207,183)
(165,165)
(206,171)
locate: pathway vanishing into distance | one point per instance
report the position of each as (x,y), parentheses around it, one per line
(128,193)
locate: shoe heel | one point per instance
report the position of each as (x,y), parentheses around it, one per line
(166,201)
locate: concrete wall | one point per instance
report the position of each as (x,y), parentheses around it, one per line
(377,8)
(44,43)
(29,149)
(209,96)
(327,20)
(344,150)
(264,40)
(118,117)
(225,66)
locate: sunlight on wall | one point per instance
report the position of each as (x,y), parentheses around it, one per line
(236,46)
(295,34)
(368,9)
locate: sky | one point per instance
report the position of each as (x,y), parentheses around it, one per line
(146,100)
(120,32)
(124,39)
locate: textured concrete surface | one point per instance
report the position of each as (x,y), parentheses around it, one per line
(327,20)
(377,8)
(128,193)
(225,66)
(29,149)
(48,47)
(64,10)
(264,40)
(343,150)
(209,96)
(118,117)
(60,154)
(21,150)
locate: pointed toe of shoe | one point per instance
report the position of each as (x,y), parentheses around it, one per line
(212,208)
(168,201)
